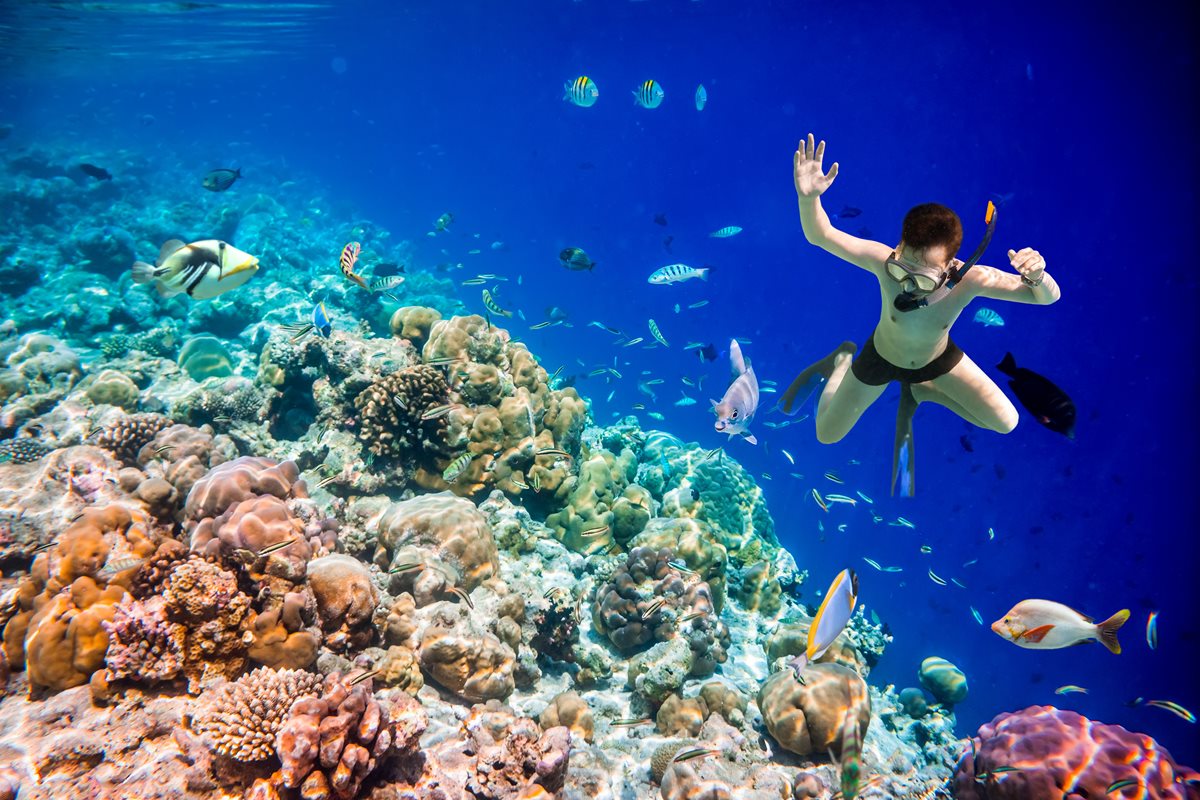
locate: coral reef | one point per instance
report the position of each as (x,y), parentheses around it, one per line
(1059,753)
(806,717)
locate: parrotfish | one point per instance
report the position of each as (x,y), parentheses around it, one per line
(736,410)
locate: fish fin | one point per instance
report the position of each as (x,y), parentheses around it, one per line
(703,272)
(164,290)
(1035,635)
(169,247)
(1008,365)
(237,173)
(735,357)
(1107,631)
(142,272)
(750,438)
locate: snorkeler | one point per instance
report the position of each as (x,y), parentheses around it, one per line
(924,289)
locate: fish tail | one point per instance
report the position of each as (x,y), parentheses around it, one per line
(1008,365)
(703,273)
(142,272)
(237,173)
(1106,631)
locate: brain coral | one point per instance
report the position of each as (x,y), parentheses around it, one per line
(805,718)
(240,719)
(1060,754)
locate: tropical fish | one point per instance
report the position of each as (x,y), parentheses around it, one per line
(697,752)
(220,179)
(1174,708)
(387,283)
(582,91)
(657,334)
(989,318)
(201,270)
(831,618)
(1152,630)
(736,410)
(677,273)
(363,676)
(820,501)
(442,223)
(975,613)
(320,321)
(1069,688)
(701,97)
(120,565)
(648,95)
(457,467)
(926,549)
(699,303)
(685,400)
(462,595)
(92,171)
(1049,404)
(1046,625)
(726,232)
(631,722)
(876,565)
(347,261)
(576,260)
(850,764)
(1124,783)
(933,576)
(491,306)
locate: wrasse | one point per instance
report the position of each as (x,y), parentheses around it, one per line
(840,498)
(652,609)
(698,303)
(708,456)
(903,523)
(1124,783)
(820,501)
(726,232)
(630,722)
(553,451)
(474,281)
(958,583)
(680,565)
(592,532)
(874,564)
(632,342)
(657,334)
(120,565)
(697,752)
(437,411)
(691,615)
(1174,708)
(1070,687)
(975,613)
(1152,630)
(406,566)
(865,498)
(461,594)
(926,549)
(347,261)
(364,676)
(457,467)
(275,548)
(933,576)
(833,476)
(789,457)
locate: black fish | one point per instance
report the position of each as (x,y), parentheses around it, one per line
(99,173)
(667,243)
(707,353)
(1048,403)
(965,441)
(661,219)
(221,179)
(848,212)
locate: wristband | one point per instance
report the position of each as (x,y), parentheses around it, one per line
(1033,284)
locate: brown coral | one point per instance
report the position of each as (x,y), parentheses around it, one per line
(806,717)
(392,413)
(240,719)
(125,436)
(474,667)
(413,323)
(346,600)
(234,481)
(570,710)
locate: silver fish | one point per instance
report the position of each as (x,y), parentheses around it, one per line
(736,410)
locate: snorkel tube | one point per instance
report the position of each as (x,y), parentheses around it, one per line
(907,301)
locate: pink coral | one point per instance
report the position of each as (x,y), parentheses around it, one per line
(330,744)
(241,479)
(1061,754)
(143,644)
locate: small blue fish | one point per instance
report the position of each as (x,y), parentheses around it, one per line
(648,95)
(726,232)
(701,97)
(582,92)
(989,318)
(320,321)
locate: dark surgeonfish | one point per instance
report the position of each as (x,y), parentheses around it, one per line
(92,171)
(221,179)
(1049,404)
(576,260)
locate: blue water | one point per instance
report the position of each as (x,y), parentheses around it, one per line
(1079,113)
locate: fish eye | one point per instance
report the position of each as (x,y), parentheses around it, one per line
(734,414)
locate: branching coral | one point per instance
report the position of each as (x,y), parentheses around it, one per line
(125,436)
(241,719)
(392,413)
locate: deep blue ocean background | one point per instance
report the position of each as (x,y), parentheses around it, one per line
(1076,114)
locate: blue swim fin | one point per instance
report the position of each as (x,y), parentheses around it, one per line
(811,380)
(904,464)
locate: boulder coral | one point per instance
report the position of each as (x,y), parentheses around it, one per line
(570,710)
(805,717)
(602,497)
(413,323)
(346,600)
(1059,753)
(695,544)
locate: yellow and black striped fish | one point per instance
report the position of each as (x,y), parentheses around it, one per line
(349,258)
(648,95)
(582,91)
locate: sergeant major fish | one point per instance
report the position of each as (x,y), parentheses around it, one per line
(736,410)
(582,91)
(201,270)
(648,95)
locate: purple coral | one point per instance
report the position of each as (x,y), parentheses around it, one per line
(142,643)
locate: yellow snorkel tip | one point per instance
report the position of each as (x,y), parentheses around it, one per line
(991,212)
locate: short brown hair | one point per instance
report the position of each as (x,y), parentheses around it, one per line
(932,224)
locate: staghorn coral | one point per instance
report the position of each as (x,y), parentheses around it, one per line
(241,719)
(805,717)
(125,436)
(331,743)
(570,710)
(945,682)
(1059,753)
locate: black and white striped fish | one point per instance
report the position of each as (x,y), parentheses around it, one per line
(201,269)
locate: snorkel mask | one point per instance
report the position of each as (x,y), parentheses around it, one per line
(924,285)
